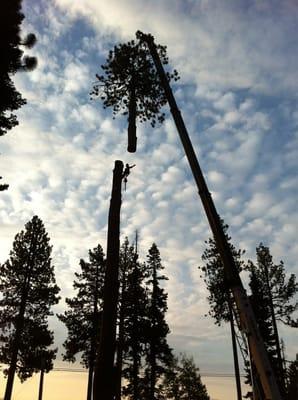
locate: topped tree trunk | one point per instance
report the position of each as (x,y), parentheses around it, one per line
(104,377)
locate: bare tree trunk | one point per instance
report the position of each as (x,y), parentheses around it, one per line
(235,354)
(152,372)
(119,361)
(132,136)
(104,382)
(41,384)
(19,323)
(15,350)
(281,373)
(135,379)
(90,382)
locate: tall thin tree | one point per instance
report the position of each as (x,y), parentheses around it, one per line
(135,323)
(220,298)
(278,292)
(158,353)
(82,318)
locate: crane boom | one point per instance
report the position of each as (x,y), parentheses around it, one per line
(246,314)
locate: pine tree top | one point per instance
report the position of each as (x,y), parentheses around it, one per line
(129,66)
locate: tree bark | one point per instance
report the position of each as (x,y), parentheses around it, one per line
(235,354)
(120,343)
(281,372)
(90,381)
(132,110)
(41,384)
(15,349)
(19,324)
(104,382)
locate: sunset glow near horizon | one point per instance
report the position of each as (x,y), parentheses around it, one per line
(238,96)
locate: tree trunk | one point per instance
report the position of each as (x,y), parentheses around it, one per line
(19,323)
(16,343)
(120,344)
(41,384)
(135,374)
(132,137)
(94,338)
(119,361)
(90,381)
(15,349)
(104,382)
(235,354)
(152,380)
(152,372)
(281,373)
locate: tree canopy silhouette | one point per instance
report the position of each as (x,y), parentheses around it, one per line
(183,380)
(158,354)
(131,86)
(214,277)
(12,61)
(28,287)
(133,319)
(130,64)
(82,318)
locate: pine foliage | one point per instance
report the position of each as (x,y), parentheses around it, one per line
(82,317)
(276,285)
(133,306)
(130,69)
(12,61)
(29,290)
(214,277)
(292,380)
(158,354)
(183,381)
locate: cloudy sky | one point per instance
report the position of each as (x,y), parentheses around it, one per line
(238,96)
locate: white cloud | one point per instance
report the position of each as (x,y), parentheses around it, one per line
(59,160)
(216,44)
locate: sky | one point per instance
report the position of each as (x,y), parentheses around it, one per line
(238,96)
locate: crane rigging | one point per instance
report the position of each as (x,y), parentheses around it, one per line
(246,314)
(137,85)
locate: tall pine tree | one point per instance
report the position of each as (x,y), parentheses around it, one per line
(29,290)
(214,277)
(273,298)
(158,354)
(82,318)
(134,301)
(220,297)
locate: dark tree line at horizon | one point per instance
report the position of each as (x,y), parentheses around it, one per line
(272,298)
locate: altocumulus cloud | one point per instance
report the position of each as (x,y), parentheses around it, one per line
(238,93)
